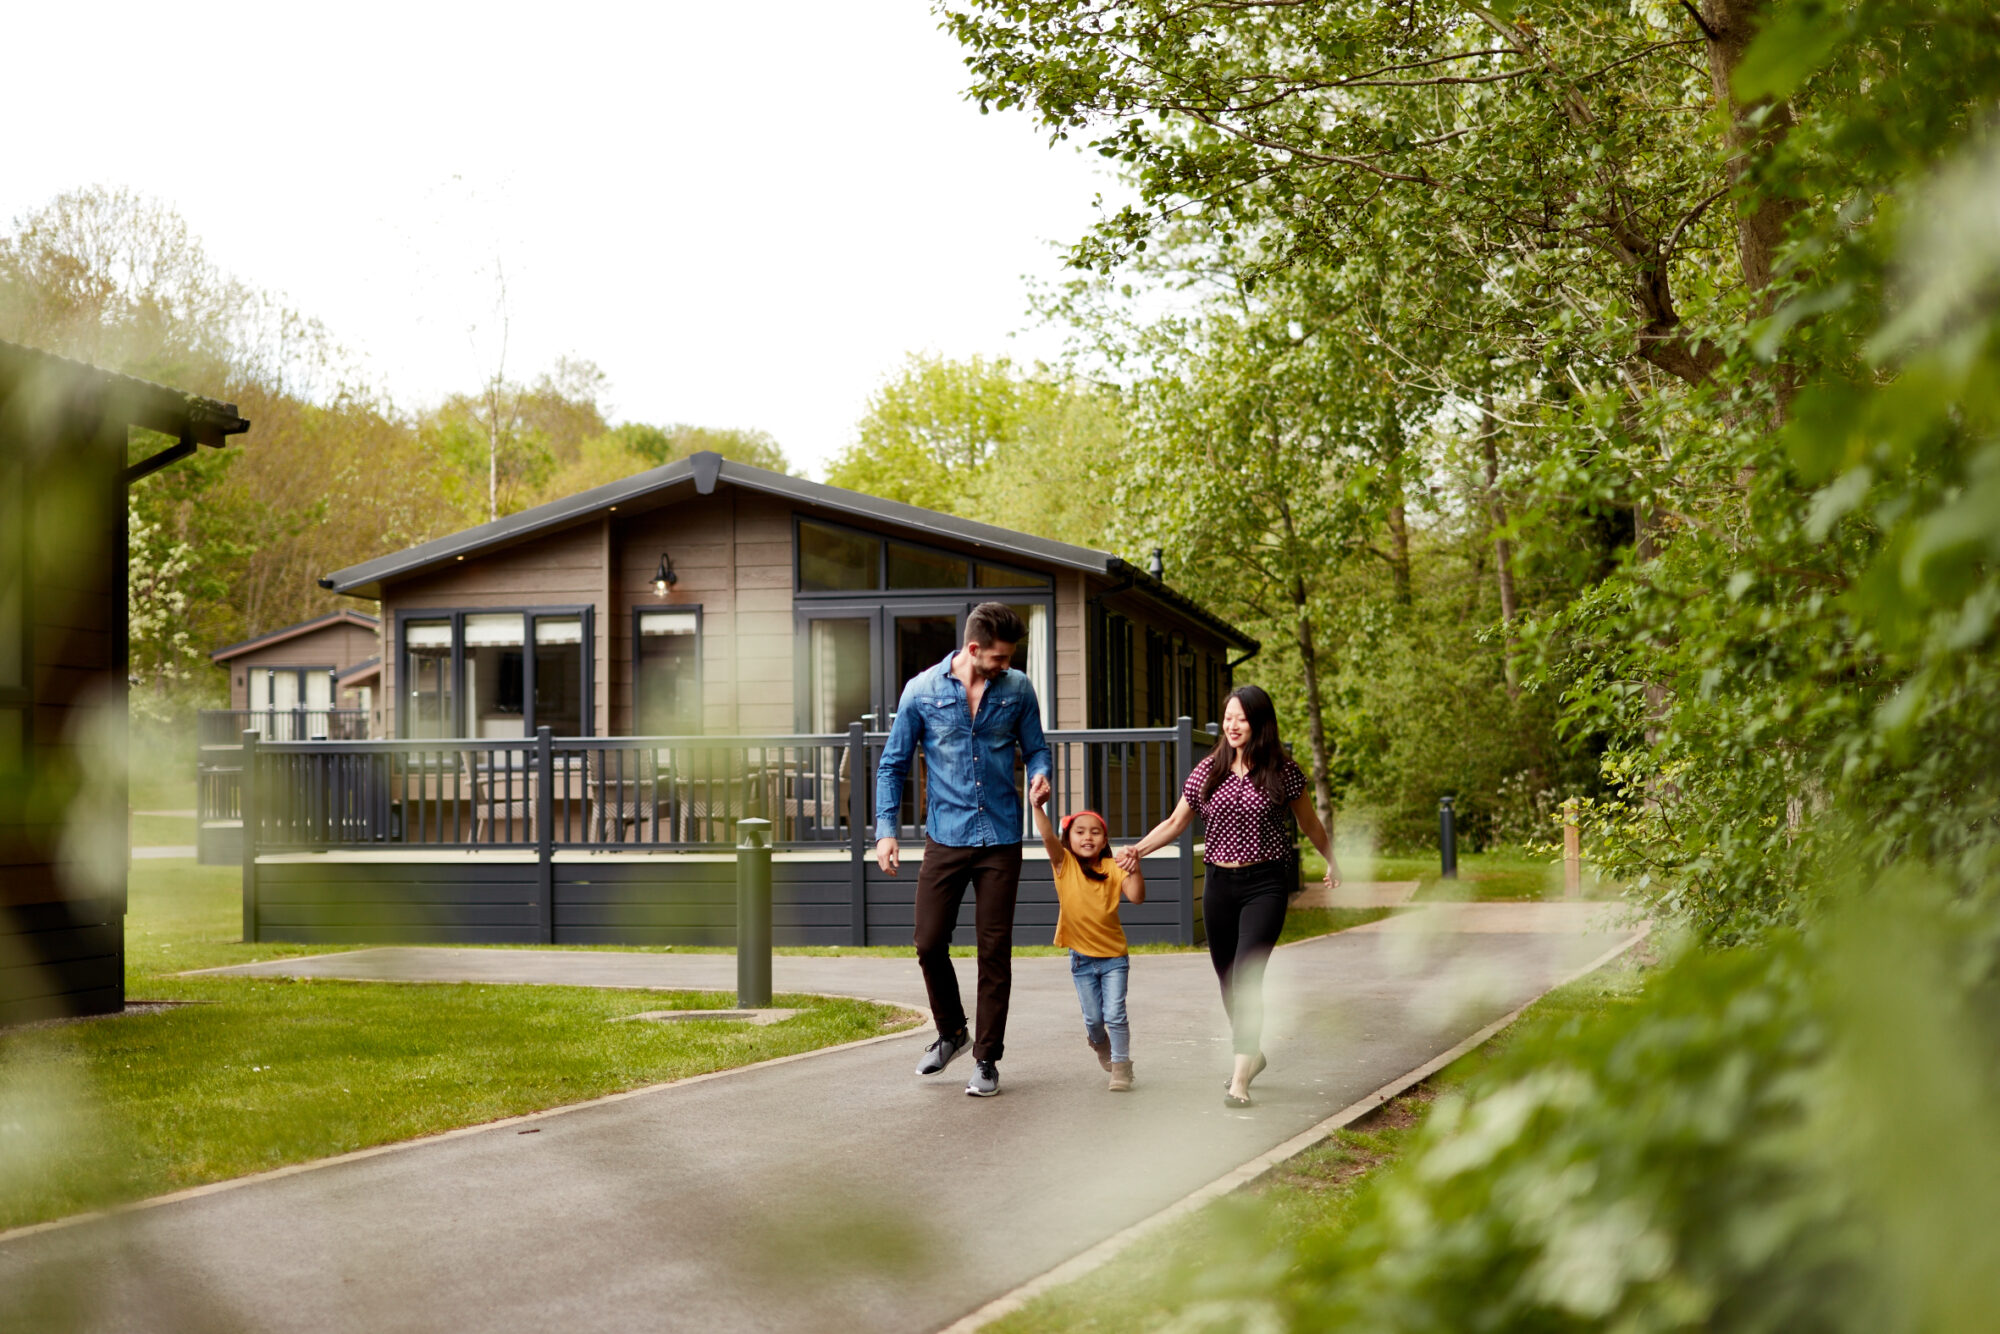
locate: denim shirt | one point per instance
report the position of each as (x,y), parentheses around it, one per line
(969,761)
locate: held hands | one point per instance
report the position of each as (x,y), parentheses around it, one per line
(1127,858)
(1038,790)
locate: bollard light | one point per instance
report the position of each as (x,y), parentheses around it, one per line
(1447,838)
(753,913)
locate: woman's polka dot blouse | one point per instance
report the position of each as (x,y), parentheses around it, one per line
(1244,824)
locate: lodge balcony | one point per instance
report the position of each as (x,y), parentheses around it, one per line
(631,840)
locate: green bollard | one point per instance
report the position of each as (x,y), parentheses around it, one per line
(753,914)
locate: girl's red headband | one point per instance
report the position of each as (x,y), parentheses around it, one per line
(1067,819)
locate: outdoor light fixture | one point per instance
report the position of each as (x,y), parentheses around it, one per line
(664,577)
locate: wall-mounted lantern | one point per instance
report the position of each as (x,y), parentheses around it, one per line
(664,578)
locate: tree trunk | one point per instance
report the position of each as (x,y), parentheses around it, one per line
(1730,25)
(1322,760)
(1503,550)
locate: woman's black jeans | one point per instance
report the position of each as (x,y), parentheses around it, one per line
(1244,911)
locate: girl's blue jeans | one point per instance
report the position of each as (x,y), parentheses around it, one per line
(1100,989)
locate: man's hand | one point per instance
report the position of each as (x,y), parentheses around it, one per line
(1127,858)
(888,855)
(1332,876)
(1038,789)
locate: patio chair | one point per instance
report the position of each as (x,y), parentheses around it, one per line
(503,797)
(624,796)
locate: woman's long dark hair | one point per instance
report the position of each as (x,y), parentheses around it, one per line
(1265,754)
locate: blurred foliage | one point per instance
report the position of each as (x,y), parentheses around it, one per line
(1701,305)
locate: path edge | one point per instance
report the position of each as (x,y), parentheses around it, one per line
(1111,1247)
(925,1020)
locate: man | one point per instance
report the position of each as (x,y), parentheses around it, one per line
(970,713)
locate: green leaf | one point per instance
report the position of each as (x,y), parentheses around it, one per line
(1793,44)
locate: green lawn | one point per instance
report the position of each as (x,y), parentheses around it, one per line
(250,1074)
(1482,876)
(1310,1198)
(173,791)
(262,1072)
(153,831)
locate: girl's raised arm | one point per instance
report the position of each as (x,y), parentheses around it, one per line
(1051,841)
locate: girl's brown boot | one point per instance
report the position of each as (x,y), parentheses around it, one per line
(1121,1076)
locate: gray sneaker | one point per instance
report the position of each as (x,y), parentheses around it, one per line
(941,1053)
(985,1081)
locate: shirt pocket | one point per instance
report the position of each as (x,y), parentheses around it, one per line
(943,716)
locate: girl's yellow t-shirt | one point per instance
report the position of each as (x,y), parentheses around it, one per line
(1088,919)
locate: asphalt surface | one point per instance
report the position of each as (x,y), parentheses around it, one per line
(836,1191)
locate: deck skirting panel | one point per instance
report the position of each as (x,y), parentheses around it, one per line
(656,900)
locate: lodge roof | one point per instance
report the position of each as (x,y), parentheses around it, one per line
(706,470)
(345,616)
(87,393)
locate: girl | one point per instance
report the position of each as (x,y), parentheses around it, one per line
(1242,791)
(1088,887)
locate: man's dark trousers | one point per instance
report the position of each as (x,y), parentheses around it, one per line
(994,873)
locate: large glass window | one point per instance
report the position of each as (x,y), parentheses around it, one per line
(426,685)
(1033,656)
(836,560)
(915,567)
(483,658)
(496,674)
(669,675)
(922,640)
(1006,576)
(561,664)
(840,682)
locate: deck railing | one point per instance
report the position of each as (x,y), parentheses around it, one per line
(225,727)
(644,793)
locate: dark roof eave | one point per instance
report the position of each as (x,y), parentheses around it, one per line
(155,407)
(1181,602)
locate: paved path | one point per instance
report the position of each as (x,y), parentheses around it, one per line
(835,1191)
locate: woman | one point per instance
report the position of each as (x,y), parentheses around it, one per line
(1241,791)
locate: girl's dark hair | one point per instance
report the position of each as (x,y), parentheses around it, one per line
(1265,753)
(1094,869)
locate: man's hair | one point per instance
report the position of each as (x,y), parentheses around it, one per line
(995,621)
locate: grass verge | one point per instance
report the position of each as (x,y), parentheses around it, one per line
(249,1074)
(1483,877)
(1310,1199)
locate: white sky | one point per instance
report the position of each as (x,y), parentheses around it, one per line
(745,214)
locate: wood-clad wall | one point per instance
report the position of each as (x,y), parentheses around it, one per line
(340,646)
(62,852)
(561,569)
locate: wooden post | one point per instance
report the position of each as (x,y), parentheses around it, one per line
(246,801)
(1184,765)
(858,837)
(545,830)
(1572,852)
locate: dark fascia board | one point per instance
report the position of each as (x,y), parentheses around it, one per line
(706,470)
(89,392)
(345,616)
(372,667)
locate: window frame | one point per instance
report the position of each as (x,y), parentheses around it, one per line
(529,614)
(700,680)
(977,592)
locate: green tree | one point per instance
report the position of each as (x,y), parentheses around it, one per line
(1034,450)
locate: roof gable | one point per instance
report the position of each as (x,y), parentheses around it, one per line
(702,473)
(345,616)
